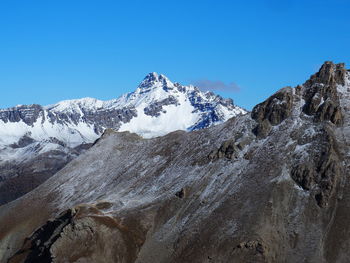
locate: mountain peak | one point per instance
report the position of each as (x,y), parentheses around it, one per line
(329,74)
(154,79)
(152,76)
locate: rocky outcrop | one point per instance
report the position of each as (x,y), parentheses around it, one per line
(319,173)
(252,250)
(23,142)
(229,150)
(109,118)
(272,111)
(321,97)
(330,74)
(321,170)
(37,247)
(83,232)
(155,108)
(304,175)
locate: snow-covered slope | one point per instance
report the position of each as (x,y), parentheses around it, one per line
(162,107)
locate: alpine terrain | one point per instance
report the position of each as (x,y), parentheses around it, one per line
(269,186)
(37,141)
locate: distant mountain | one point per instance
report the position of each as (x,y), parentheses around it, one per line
(157,107)
(37,141)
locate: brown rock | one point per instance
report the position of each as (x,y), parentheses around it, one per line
(321,95)
(272,111)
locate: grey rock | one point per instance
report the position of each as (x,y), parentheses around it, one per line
(228,150)
(155,108)
(27,114)
(23,141)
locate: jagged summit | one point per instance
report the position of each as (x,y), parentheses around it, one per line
(320,96)
(323,90)
(154,79)
(329,74)
(154,76)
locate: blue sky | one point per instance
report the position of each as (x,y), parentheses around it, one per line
(55,50)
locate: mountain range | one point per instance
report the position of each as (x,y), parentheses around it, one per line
(37,141)
(270,185)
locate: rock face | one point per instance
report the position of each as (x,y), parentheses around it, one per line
(37,141)
(228,193)
(272,111)
(321,170)
(61,239)
(321,96)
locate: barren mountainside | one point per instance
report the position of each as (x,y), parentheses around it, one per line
(269,186)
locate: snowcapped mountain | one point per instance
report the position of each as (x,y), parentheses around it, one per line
(37,141)
(157,107)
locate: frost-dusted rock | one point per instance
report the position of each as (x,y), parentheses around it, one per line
(272,111)
(320,171)
(19,178)
(329,74)
(304,175)
(331,111)
(229,149)
(262,129)
(321,95)
(276,108)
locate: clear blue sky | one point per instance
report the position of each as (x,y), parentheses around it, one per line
(55,50)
